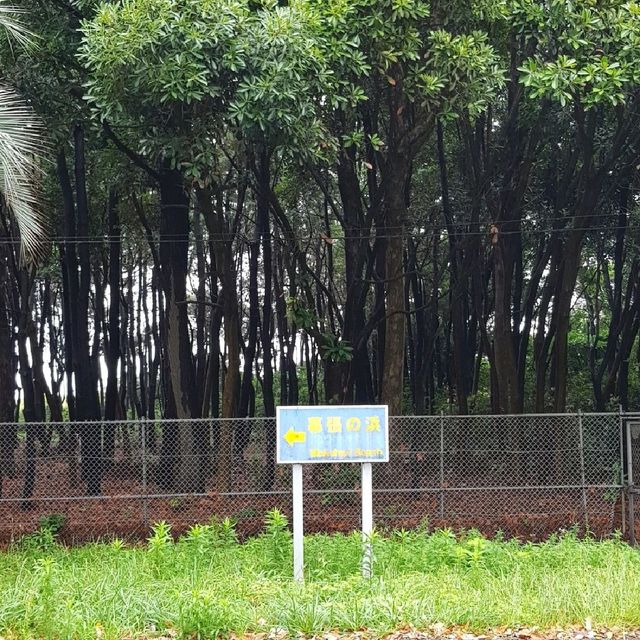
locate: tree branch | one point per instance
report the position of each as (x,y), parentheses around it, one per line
(136,158)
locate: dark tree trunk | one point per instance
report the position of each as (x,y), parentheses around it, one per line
(51,393)
(358,386)
(266,327)
(132,365)
(154,364)
(224,258)
(211,399)
(112,409)
(8,429)
(69,260)
(395,329)
(174,245)
(458,291)
(88,406)
(503,343)
(201,311)
(33,408)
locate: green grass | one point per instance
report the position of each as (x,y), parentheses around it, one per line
(206,584)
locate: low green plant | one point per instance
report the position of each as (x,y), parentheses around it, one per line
(207,585)
(160,537)
(203,614)
(46,536)
(473,550)
(277,541)
(41,603)
(54,522)
(276,526)
(203,537)
(117,544)
(225,531)
(159,544)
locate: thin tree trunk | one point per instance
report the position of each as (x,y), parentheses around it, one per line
(174,244)
(214,217)
(112,409)
(86,388)
(8,429)
(266,328)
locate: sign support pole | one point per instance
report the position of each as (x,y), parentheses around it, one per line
(298,525)
(324,434)
(367,518)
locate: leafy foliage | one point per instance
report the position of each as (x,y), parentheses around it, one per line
(420,579)
(22,148)
(595,50)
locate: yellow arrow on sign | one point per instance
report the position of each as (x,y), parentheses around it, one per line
(291,437)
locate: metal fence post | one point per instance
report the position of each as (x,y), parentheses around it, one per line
(441,464)
(468,476)
(145,504)
(632,498)
(583,481)
(623,514)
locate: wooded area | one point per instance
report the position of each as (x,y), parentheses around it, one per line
(251,203)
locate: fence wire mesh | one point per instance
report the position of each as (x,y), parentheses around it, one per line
(526,475)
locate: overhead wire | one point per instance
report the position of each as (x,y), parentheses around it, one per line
(321,235)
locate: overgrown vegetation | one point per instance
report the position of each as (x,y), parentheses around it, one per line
(206,584)
(431,204)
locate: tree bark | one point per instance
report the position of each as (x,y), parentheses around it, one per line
(174,245)
(112,409)
(8,429)
(212,206)
(88,406)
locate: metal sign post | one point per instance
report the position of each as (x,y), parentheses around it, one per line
(367,518)
(308,435)
(298,525)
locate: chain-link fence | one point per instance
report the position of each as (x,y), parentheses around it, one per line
(525,475)
(631,458)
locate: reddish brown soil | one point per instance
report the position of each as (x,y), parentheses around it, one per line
(440,632)
(527,514)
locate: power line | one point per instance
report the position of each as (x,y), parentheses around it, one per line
(381,233)
(225,237)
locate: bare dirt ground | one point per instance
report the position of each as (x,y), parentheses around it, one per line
(128,506)
(439,632)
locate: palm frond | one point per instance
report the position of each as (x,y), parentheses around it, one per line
(21,150)
(14,27)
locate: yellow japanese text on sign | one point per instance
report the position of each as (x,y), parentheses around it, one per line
(332,434)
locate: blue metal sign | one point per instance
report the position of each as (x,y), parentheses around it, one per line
(332,434)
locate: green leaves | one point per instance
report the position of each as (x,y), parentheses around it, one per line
(590,54)
(563,80)
(277,74)
(553,79)
(205,64)
(462,73)
(284,75)
(13,27)
(334,349)
(22,149)
(297,313)
(440,71)
(152,52)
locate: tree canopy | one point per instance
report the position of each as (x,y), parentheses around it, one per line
(255,202)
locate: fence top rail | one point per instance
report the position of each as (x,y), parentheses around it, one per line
(427,417)
(569,414)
